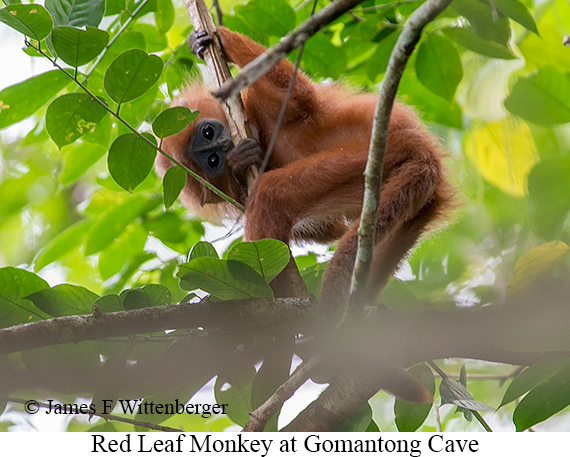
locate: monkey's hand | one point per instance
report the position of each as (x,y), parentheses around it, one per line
(198,42)
(246,154)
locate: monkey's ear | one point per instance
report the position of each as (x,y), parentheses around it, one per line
(210,144)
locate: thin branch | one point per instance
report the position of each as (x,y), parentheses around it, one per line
(406,43)
(261,415)
(262,64)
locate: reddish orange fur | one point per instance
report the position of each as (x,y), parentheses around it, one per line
(314,187)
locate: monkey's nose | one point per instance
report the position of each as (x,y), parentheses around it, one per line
(224,143)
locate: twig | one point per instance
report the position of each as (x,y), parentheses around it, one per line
(405,44)
(261,415)
(262,64)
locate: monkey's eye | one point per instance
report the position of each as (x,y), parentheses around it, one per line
(213,160)
(208,132)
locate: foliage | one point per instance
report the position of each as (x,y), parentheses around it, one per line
(82,210)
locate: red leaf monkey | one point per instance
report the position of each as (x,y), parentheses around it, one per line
(314,185)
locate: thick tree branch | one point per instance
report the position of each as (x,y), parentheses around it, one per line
(239,315)
(262,64)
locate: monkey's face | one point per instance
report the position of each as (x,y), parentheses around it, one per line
(211,141)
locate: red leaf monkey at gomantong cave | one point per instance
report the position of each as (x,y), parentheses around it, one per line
(314,185)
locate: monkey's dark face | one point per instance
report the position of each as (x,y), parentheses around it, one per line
(210,143)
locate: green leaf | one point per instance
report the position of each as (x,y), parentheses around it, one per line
(518,12)
(15,285)
(109,303)
(131,74)
(438,66)
(164,15)
(32,20)
(267,257)
(533,376)
(147,296)
(155,41)
(75,46)
(322,58)
(274,18)
(486,21)
(223,279)
(131,159)
(71,116)
(21,100)
(542,98)
(378,62)
(203,249)
(233,387)
(358,421)
(468,39)
(535,265)
(410,416)
(173,183)
(543,401)
(549,195)
(64,300)
(78,159)
(313,277)
(113,222)
(454,392)
(64,242)
(77,13)
(172,121)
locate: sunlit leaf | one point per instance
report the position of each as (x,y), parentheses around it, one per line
(322,58)
(534,265)
(203,249)
(223,279)
(164,15)
(64,300)
(131,74)
(173,183)
(517,11)
(486,21)
(63,243)
(111,224)
(15,285)
(274,18)
(504,153)
(468,39)
(172,121)
(131,160)
(32,20)
(438,66)
(21,100)
(71,116)
(77,46)
(267,257)
(549,195)
(542,98)
(77,13)
(78,159)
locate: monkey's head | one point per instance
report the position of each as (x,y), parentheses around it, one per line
(202,147)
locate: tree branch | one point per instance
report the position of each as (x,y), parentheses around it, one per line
(404,47)
(262,64)
(238,315)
